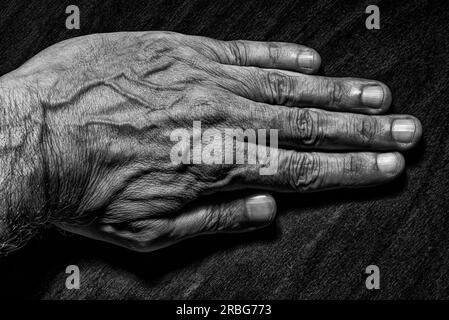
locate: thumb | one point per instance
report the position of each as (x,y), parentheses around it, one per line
(230,215)
(227,215)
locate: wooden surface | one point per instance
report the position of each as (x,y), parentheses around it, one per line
(320,244)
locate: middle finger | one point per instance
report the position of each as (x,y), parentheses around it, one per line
(296,89)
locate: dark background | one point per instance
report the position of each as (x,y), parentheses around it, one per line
(321,243)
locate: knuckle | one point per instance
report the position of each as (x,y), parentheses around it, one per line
(237,52)
(366,129)
(147,235)
(219,218)
(352,165)
(279,87)
(335,91)
(206,106)
(274,54)
(308,125)
(212,219)
(304,171)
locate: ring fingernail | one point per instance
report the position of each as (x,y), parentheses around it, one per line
(403,130)
(387,162)
(373,96)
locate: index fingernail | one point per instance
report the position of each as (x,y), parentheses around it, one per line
(307,60)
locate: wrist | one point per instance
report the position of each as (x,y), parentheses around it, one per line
(22,182)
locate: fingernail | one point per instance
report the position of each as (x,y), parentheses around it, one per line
(403,130)
(307,60)
(387,162)
(261,209)
(373,96)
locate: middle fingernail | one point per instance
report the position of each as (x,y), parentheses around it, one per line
(373,96)
(403,130)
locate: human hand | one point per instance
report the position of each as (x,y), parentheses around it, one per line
(111,102)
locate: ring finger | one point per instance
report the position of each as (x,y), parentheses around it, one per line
(320,129)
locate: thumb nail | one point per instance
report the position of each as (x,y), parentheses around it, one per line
(261,209)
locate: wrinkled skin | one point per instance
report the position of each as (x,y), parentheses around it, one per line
(105,106)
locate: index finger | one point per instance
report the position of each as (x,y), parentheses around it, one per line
(279,55)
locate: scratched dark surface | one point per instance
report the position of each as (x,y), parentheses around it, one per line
(321,243)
